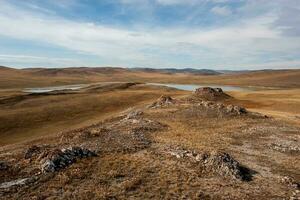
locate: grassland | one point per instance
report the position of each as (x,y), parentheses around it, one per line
(136,152)
(13,78)
(26,116)
(136,155)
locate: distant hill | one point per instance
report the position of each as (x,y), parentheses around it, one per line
(75,71)
(174,70)
(39,77)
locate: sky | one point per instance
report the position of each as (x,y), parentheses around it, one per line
(211,34)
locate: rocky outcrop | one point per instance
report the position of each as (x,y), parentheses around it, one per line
(162,101)
(211,94)
(59,159)
(218,162)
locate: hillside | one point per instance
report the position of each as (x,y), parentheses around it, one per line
(20,78)
(175,147)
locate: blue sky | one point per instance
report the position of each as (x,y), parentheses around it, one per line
(214,34)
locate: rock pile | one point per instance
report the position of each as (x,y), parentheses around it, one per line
(59,159)
(223,164)
(162,101)
(218,162)
(211,94)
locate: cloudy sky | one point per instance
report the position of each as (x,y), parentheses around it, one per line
(214,34)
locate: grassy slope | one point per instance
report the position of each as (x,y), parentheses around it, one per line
(12,78)
(26,117)
(284,104)
(36,116)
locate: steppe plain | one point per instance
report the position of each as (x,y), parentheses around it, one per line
(182,145)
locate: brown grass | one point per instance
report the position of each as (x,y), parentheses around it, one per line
(29,116)
(12,78)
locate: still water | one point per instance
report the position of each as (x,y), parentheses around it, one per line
(188,87)
(193,87)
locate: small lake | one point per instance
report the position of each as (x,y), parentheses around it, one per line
(55,88)
(188,87)
(191,87)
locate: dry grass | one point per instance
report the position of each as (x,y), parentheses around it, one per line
(284,104)
(28,116)
(127,168)
(12,78)
(124,170)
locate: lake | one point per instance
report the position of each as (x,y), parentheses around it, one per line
(55,88)
(191,87)
(188,87)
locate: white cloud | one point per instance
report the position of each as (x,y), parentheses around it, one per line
(224,11)
(37,61)
(242,43)
(176,2)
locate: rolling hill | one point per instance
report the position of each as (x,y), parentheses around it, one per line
(38,77)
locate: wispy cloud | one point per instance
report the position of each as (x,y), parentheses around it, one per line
(250,41)
(221,10)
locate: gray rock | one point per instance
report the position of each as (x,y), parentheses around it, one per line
(3,166)
(219,162)
(59,159)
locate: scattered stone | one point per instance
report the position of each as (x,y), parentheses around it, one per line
(212,94)
(285,148)
(3,166)
(291,182)
(140,138)
(219,162)
(134,114)
(163,101)
(32,151)
(235,109)
(59,159)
